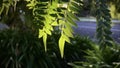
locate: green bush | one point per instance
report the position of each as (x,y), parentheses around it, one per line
(22,49)
(108,57)
(74,51)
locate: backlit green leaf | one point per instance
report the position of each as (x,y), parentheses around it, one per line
(69,20)
(61,45)
(66,38)
(75,4)
(71,15)
(68,32)
(54,24)
(41,33)
(74,9)
(69,27)
(48,31)
(45,41)
(1,9)
(78,1)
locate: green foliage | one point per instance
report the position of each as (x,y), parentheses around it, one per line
(22,49)
(16,15)
(73,51)
(103,24)
(97,58)
(6,4)
(49,14)
(46,14)
(116,3)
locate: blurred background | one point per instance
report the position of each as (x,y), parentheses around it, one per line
(87,23)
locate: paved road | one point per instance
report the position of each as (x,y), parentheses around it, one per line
(3,26)
(88,28)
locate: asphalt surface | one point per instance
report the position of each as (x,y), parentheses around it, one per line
(88,28)
(3,26)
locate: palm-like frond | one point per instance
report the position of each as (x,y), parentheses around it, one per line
(103,23)
(55,13)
